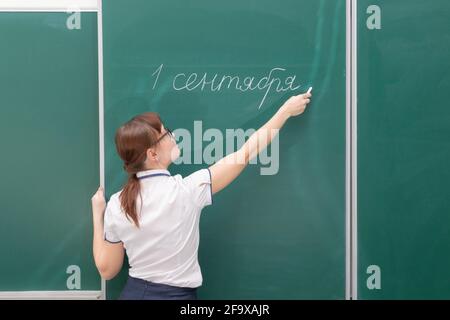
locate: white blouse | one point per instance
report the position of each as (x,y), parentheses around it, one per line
(164,248)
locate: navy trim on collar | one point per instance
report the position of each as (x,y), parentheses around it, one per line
(154,175)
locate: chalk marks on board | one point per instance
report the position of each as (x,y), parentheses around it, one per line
(276,79)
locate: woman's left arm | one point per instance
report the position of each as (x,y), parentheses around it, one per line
(108,256)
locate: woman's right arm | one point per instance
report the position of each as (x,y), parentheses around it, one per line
(228,168)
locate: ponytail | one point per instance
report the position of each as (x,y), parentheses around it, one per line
(128,198)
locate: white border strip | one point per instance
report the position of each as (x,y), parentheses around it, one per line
(50,295)
(48,5)
(354,152)
(101,124)
(348,153)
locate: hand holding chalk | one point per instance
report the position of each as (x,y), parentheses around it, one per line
(296,105)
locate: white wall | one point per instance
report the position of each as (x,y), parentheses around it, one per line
(48,5)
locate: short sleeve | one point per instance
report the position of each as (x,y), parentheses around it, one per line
(199,184)
(110,234)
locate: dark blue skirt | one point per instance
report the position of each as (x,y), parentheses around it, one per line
(139,289)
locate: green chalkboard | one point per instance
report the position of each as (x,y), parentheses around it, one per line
(403,149)
(49,160)
(278,236)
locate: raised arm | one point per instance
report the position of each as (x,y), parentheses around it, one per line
(228,168)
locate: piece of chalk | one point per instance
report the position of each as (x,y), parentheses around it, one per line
(309,90)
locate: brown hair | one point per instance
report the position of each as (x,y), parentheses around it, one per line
(132,141)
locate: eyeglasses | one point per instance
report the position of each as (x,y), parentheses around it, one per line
(168,132)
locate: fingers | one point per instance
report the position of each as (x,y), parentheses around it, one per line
(99,192)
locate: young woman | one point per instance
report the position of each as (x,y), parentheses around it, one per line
(155,217)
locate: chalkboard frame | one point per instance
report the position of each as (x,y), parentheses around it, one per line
(63,6)
(350,135)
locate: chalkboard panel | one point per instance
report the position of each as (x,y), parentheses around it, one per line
(279,236)
(403,149)
(49,162)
